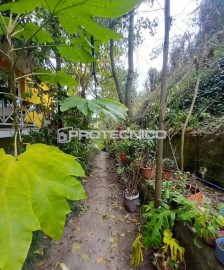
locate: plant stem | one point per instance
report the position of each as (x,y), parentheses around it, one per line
(15,145)
(186,123)
(159,149)
(130,76)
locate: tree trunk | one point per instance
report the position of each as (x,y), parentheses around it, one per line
(159,149)
(186,123)
(129,85)
(114,73)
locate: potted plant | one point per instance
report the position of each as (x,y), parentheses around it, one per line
(131,194)
(168,167)
(193,193)
(148,171)
(180,181)
(219,249)
(148,168)
(210,240)
(174,207)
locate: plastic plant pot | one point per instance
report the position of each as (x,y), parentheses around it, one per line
(219,249)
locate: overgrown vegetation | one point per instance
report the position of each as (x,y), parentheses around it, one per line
(185,57)
(35,184)
(70,59)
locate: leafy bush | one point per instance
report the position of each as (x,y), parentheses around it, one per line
(175,207)
(156,221)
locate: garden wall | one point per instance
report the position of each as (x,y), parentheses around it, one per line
(196,258)
(201,150)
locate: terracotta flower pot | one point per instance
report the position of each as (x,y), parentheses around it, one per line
(211,240)
(196,194)
(148,173)
(166,174)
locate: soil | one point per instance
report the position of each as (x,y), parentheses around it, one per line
(101,236)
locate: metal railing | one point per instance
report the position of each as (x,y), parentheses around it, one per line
(7,114)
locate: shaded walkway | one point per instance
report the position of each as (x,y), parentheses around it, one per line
(100,238)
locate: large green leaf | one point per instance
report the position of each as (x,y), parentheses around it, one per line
(116,108)
(20,6)
(41,35)
(76,23)
(76,16)
(33,192)
(65,79)
(104,106)
(109,8)
(75,102)
(75,54)
(94,107)
(92,8)
(60,77)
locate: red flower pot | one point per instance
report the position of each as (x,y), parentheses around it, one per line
(166,174)
(148,173)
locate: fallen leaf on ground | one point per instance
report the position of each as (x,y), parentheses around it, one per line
(76,230)
(90,234)
(105,217)
(134,220)
(39,251)
(83,208)
(40,264)
(113,240)
(76,246)
(71,222)
(63,266)
(85,257)
(100,260)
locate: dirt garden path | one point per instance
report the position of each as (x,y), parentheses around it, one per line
(100,237)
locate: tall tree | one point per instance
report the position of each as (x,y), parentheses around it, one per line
(115,74)
(152,79)
(159,150)
(130,77)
